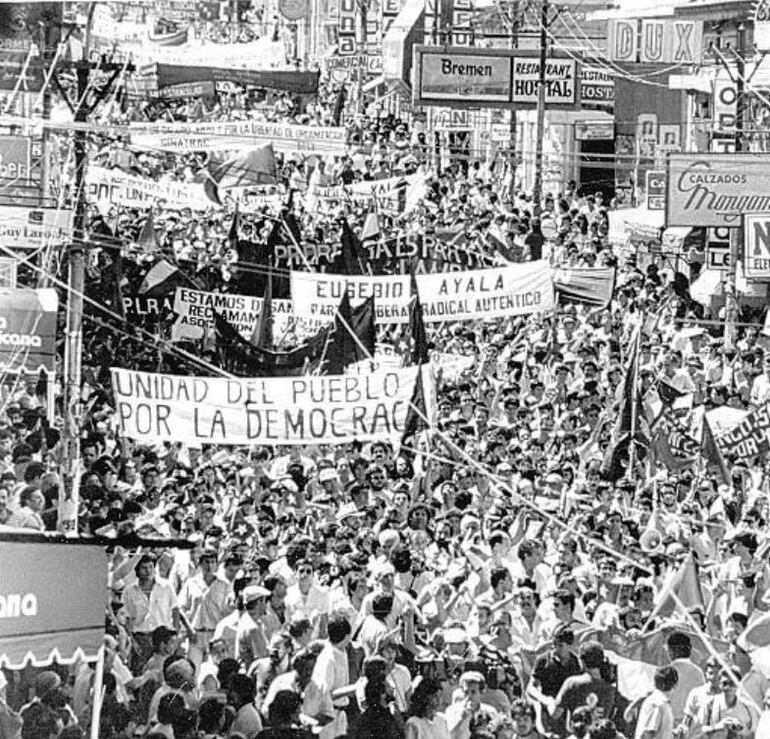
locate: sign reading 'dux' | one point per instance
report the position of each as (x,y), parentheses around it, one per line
(493,78)
(716,189)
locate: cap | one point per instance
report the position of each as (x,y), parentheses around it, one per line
(252,593)
(327,474)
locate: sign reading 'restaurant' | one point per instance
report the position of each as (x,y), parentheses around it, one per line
(716,190)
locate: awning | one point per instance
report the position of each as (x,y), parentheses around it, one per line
(28,336)
(52,600)
(372,84)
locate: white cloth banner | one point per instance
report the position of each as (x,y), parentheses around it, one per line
(454,296)
(389,193)
(316,295)
(335,409)
(451,366)
(235,135)
(107,187)
(196,309)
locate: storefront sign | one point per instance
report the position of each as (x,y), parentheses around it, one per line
(762,26)
(561,83)
(716,190)
(756,246)
(594,130)
(656,190)
(655,41)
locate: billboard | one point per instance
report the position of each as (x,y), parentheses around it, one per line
(20,25)
(716,189)
(655,41)
(492,78)
(30,228)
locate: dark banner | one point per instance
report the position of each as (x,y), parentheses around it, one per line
(300,83)
(443,251)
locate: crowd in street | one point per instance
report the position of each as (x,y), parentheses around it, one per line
(500,575)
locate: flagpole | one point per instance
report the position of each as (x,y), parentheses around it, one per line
(97,699)
(634,400)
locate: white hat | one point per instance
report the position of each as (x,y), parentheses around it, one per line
(254,592)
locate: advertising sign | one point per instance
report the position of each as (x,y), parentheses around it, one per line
(28,329)
(657,41)
(30,228)
(333,409)
(762,26)
(492,78)
(15,158)
(718,248)
(561,83)
(594,130)
(725,114)
(36,623)
(716,189)
(597,89)
(756,246)
(346,28)
(656,190)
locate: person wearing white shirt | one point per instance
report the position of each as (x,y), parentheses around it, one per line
(656,721)
(148,603)
(332,678)
(307,599)
(760,388)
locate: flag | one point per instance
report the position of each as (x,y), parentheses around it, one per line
(263,330)
(415,417)
(232,236)
(417,351)
(352,258)
(353,337)
(415,192)
(626,424)
(243,359)
(147,240)
(339,106)
(371,228)
(250,169)
(161,279)
(589,285)
(683,589)
(712,453)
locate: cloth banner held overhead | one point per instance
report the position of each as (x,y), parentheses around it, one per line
(235,135)
(38,622)
(109,187)
(750,437)
(486,293)
(196,309)
(28,329)
(333,409)
(318,296)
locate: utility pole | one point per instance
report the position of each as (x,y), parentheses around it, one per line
(736,240)
(361,66)
(68,496)
(512,154)
(537,189)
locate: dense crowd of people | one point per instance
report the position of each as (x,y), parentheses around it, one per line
(496,576)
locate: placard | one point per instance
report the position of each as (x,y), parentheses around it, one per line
(333,409)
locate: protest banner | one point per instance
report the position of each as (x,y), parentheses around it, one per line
(451,367)
(750,437)
(486,293)
(290,80)
(334,409)
(109,187)
(318,295)
(231,135)
(30,228)
(196,309)
(388,193)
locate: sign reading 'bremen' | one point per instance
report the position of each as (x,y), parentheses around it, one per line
(716,190)
(496,78)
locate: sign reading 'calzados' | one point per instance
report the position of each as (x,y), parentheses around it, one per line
(716,190)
